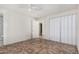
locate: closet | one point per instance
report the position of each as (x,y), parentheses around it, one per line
(68,29)
(61,29)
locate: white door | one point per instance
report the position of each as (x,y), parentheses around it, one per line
(35,29)
(46,28)
(55,29)
(64,29)
(1,30)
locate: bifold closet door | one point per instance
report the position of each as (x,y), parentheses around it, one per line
(55,29)
(68,33)
(63,29)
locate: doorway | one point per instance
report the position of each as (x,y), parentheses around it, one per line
(40,29)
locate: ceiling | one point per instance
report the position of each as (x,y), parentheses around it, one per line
(39,10)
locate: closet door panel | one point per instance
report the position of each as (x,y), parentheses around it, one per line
(55,29)
(64,29)
(70,29)
(74,29)
(52,29)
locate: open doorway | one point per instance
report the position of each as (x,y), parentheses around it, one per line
(40,29)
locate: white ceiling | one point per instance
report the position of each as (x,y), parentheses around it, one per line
(42,10)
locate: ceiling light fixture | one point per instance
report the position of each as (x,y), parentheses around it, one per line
(33,7)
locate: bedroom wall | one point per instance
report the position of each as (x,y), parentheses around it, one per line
(16,27)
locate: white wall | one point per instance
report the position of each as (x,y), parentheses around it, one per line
(16,27)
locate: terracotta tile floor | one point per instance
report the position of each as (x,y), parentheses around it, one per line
(36,46)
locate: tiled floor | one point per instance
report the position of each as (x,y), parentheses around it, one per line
(37,46)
